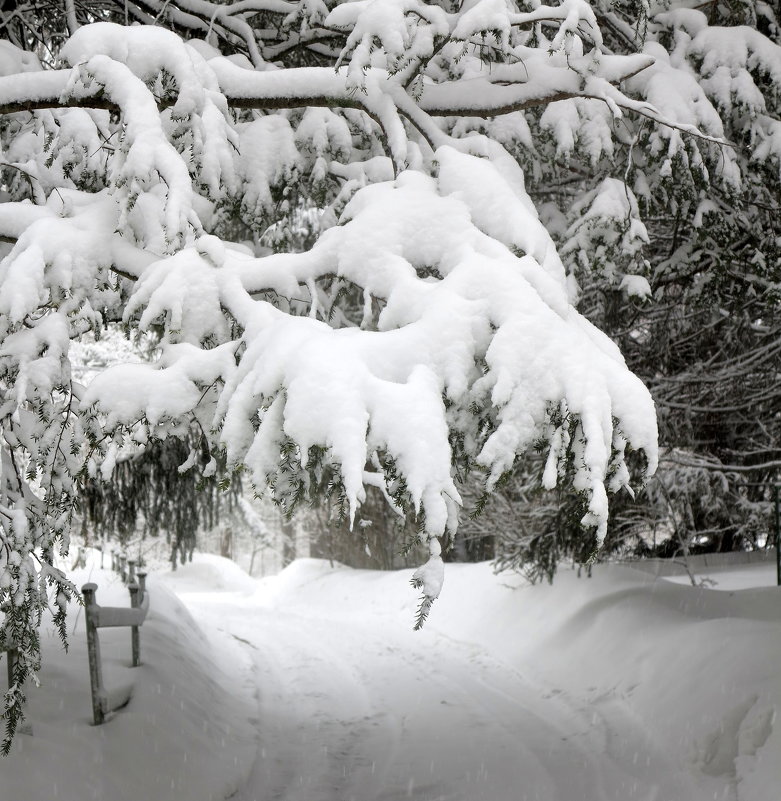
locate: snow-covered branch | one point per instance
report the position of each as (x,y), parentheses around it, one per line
(323,216)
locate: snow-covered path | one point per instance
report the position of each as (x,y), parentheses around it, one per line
(346,714)
(353,706)
(311,686)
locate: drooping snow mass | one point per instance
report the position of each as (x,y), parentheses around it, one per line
(350,283)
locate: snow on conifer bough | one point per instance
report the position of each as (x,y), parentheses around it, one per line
(347,280)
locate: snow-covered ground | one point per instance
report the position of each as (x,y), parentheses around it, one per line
(311,686)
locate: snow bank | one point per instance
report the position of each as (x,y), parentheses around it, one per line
(209,573)
(674,674)
(184,735)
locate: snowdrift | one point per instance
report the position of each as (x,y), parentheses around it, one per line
(681,676)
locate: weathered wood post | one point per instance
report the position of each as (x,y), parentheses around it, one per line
(141,584)
(135,639)
(131,571)
(93,652)
(123,567)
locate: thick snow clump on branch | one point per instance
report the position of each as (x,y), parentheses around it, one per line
(324,226)
(467,344)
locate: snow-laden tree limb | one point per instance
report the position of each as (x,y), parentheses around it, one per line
(322,213)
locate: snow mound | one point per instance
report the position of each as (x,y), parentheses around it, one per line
(209,573)
(681,681)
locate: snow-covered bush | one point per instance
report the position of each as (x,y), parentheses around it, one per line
(321,211)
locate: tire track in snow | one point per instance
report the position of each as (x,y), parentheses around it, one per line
(350,711)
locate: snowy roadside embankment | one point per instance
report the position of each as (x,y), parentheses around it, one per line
(665,691)
(184,736)
(687,675)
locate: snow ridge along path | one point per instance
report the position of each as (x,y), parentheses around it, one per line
(621,687)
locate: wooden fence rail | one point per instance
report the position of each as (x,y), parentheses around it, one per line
(98,617)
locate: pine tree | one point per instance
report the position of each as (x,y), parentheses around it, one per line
(322,210)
